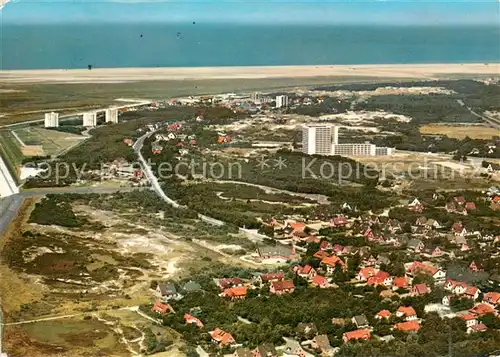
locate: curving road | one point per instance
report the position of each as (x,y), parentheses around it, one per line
(252,235)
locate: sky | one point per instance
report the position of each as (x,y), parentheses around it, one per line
(369,12)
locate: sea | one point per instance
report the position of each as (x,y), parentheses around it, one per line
(68,46)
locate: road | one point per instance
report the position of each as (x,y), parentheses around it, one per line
(252,235)
(493,122)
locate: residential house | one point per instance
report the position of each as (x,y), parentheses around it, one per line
(432,223)
(360,321)
(320,281)
(470,319)
(281,287)
(321,342)
(265,350)
(321,254)
(243,352)
(325,245)
(236,293)
(269,277)
(408,326)
(339,221)
(423,268)
(221,337)
(400,282)
(167,292)
(415,245)
(306,272)
(482,309)
(477,328)
(383,314)
(420,290)
(472,292)
(331,264)
(470,206)
(491,298)
(406,312)
(415,205)
(227,283)
(306,330)
(190,319)
(459,200)
(361,334)
(162,308)
(420,221)
(380,278)
(473,267)
(366,273)
(456,287)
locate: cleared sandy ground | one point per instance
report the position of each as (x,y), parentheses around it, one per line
(116,75)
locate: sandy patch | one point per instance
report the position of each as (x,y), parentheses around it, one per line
(103,75)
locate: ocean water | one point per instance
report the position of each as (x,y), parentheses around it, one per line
(115,45)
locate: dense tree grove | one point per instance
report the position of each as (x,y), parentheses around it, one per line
(54,209)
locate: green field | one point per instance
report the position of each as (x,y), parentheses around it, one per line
(53,142)
(23,102)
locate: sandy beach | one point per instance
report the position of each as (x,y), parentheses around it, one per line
(117,75)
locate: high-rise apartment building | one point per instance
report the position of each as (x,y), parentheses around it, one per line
(111,115)
(90,119)
(51,120)
(281,101)
(319,138)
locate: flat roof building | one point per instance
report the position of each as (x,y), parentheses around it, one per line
(111,115)
(51,120)
(318,138)
(89,119)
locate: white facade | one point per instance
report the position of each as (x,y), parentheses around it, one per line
(355,149)
(384,151)
(317,139)
(281,101)
(90,119)
(111,115)
(51,120)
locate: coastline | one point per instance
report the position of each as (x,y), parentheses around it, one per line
(123,75)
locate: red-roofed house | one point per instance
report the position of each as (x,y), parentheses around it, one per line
(325,245)
(380,278)
(238,292)
(491,298)
(282,287)
(222,337)
(366,273)
(399,282)
(482,309)
(472,292)
(193,320)
(384,314)
(470,319)
(162,308)
(331,263)
(320,281)
(420,289)
(320,254)
(470,206)
(407,312)
(339,221)
(459,199)
(361,334)
(229,283)
(306,272)
(266,278)
(419,267)
(477,328)
(408,326)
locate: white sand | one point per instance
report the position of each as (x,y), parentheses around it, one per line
(107,75)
